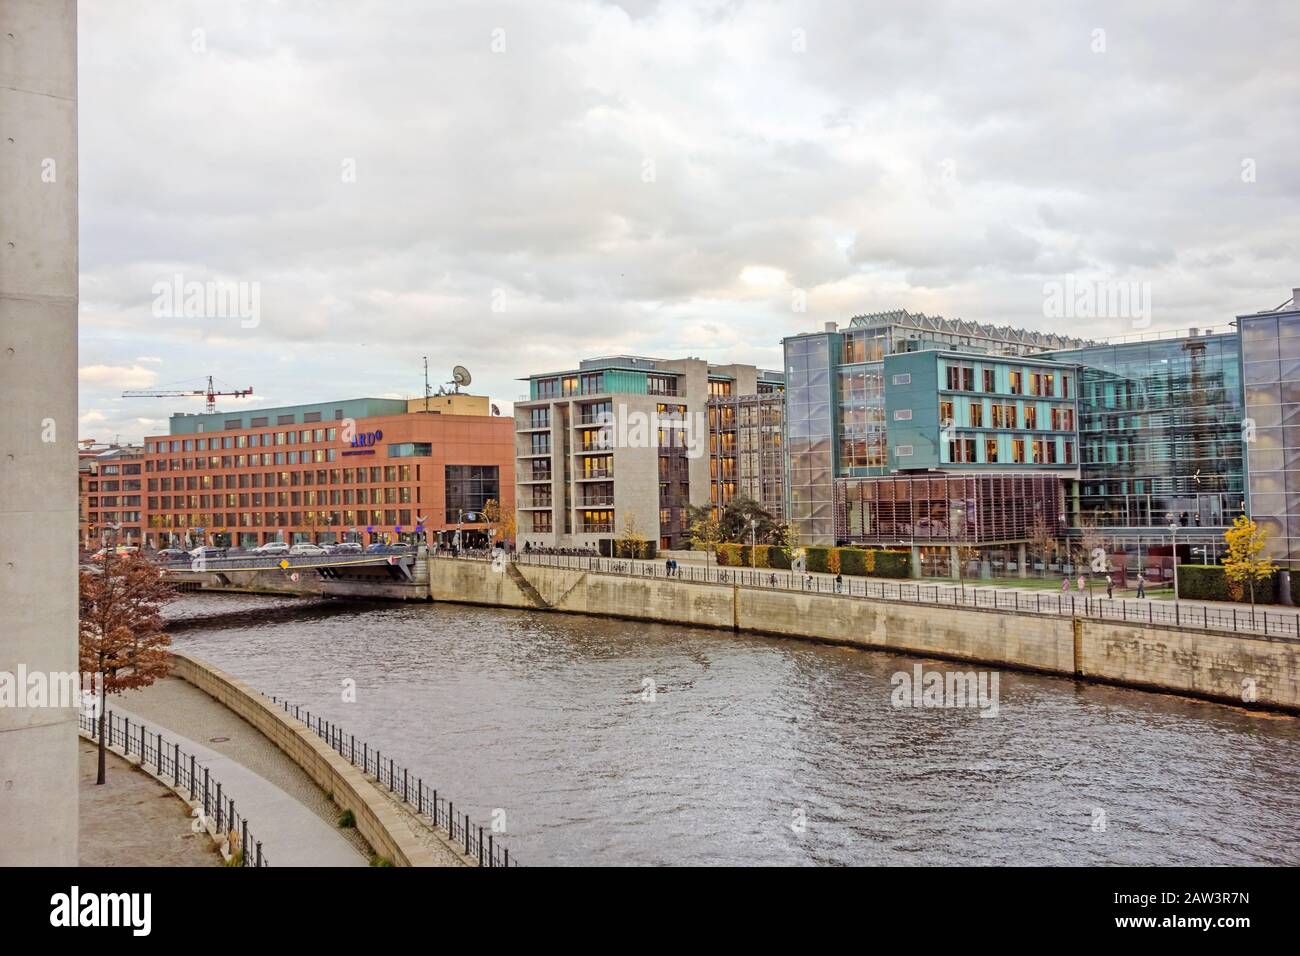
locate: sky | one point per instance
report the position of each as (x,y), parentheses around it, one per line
(351,186)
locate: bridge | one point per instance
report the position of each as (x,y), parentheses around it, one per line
(401,574)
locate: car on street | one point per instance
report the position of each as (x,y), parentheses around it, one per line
(170,554)
(271,547)
(385,549)
(304,549)
(206,552)
(345,547)
(119,551)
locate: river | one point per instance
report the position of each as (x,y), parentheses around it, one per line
(614,742)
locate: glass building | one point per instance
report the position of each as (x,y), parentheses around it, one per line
(838,418)
(1160,439)
(1270,354)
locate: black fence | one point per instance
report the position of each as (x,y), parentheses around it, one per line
(187,773)
(1245,620)
(426,801)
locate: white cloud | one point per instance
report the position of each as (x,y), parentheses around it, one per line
(118,376)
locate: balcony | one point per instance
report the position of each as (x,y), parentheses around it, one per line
(598,527)
(595,474)
(596,501)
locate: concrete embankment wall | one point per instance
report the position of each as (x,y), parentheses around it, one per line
(386,828)
(1227,667)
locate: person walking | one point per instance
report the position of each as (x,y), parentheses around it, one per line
(839,582)
(1110,588)
(1081,584)
(668,567)
(1065,584)
(1142,585)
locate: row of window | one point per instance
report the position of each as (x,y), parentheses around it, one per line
(1060,419)
(261,440)
(285,479)
(1037,451)
(962,378)
(258,499)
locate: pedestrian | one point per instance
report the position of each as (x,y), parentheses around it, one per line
(839,582)
(1065,584)
(1110,588)
(674,560)
(807,581)
(1142,585)
(668,567)
(1081,584)
(772,579)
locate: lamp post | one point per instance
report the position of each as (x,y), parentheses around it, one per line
(753,531)
(1173,540)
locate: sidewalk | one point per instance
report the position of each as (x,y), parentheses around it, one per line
(295,820)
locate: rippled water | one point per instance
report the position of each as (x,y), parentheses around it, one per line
(542,715)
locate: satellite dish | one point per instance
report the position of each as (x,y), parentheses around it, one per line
(495,409)
(460,375)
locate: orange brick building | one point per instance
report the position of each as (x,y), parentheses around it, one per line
(366,469)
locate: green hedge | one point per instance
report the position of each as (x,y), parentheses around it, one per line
(1209,583)
(892,564)
(818,559)
(853,561)
(729,555)
(778,558)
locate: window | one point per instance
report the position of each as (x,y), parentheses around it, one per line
(284,420)
(310,417)
(539,417)
(991,450)
(547,387)
(1018,451)
(902,378)
(258,423)
(902,414)
(977,415)
(542,521)
(1031,416)
(902,451)
(989,380)
(593,383)
(661,385)
(470,488)
(1049,384)
(945,413)
(1017,383)
(230,423)
(1035,383)
(417,449)
(961,378)
(540,444)
(1009,416)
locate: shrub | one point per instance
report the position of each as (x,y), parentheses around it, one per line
(833,561)
(347,820)
(853,561)
(729,555)
(778,558)
(762,554)
(818,559)
(1209,583)
(892,564)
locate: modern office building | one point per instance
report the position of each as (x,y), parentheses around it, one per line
(364,469)
(621,446)
(110,490)
(1160,439)
(1270,354)
(901,394)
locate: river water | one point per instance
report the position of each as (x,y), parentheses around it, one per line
(613,742)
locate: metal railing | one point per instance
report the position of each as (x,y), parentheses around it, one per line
(1241,620)
(187,772)
(426,801)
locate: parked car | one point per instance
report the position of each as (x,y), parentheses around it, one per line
(385,549)
(207,551)
(345,547)
(272,547)
(306,549)
(170,554)
(119,550)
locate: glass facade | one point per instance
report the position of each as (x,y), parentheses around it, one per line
(1160,433)
(1270,347)
(811,432)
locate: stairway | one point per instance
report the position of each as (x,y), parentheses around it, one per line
(526,586)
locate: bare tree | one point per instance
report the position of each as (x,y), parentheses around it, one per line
(121,637)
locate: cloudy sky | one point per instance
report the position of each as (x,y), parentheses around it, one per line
(512,186)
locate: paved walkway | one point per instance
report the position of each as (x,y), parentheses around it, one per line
(294,819)
(133,820)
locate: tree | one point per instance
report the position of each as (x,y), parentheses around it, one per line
(632,543)
(121,638)
(1090,542)
(965,554)
(1245,561)
(704,531)
(1043,540)
(501,517)
(737,515)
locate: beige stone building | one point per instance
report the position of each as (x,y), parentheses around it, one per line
(622,445)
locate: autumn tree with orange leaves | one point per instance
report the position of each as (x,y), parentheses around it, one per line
(121,635)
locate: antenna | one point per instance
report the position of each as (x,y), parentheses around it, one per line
(426,383)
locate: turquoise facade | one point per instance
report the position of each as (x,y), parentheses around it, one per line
(356,408)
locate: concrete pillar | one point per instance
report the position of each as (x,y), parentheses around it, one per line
(1020,560)
(916,561)
(954,558)
(38,426)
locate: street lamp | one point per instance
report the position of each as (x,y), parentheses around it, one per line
(1173,540)
(753,531)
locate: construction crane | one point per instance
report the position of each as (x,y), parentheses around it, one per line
(210,393)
